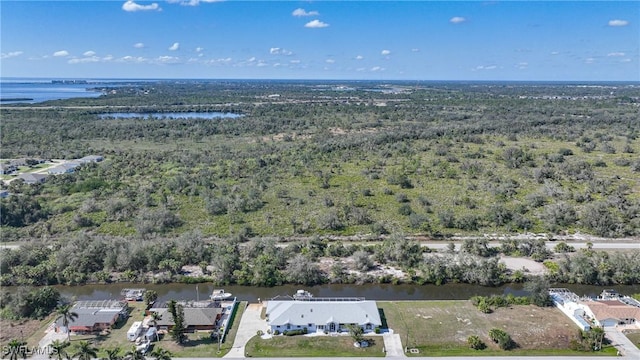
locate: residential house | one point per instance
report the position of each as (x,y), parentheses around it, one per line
(608,313)
(65,168)
(90,159)
(31,178)
(94,316)
(6,169)
(322,315)
(195,318)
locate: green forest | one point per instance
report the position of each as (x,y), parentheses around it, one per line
(322,169)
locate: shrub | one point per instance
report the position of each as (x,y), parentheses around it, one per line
(475,343)
(276,332)
(260,333)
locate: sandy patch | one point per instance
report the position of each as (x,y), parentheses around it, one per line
(529,266)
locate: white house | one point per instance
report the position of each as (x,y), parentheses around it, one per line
(320,315)
(65,168)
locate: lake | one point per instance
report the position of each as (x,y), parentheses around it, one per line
(174,291)
(171,115)
(35,92)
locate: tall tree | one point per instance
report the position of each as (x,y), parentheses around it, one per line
(65,312)
(155,317)
(177,312)
(161,354)
(15,350)
(112,354)
(85,351)
(59,352)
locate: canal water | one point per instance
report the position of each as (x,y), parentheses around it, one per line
(202,291)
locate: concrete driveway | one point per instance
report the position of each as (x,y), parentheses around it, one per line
(248,328)
(622,343)
(393,344)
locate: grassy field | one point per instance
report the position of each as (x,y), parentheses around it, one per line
(311,346)
(441,328)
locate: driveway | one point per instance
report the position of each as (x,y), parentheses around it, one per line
(248,328)
(393,344)
(622,343)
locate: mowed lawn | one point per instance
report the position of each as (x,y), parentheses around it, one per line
(442,327)
(312,346)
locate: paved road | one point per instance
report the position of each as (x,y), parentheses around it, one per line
(248,328)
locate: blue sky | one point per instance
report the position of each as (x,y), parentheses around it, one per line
(379,40)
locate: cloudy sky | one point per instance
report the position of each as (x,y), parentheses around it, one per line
(420,40)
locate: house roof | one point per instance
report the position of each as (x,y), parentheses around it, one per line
(100,304)
(282,312)
(192,316)
(613,309)
(30,177)
(90,317)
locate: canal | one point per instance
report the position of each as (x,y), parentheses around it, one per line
(370,291)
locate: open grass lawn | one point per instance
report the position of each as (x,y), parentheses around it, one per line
(311,346)
(634,337)
(440,328)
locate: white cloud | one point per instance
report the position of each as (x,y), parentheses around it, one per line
(191,2)
(522,65)
(415,50)
(330,61)
(132,59)
(280,51)
(88,59)
(252,59)
(316,24)
(61,53)
(488,67)
(107,58)
(174,47)
(295,61)
(589,60)
(555,53)
(303,12)
(89,53)
(167,59)
(377,68)
(625,60)
(10,54)
(618,22)
(138,45)
(457,20)
(615,54)
(385,52)
(359,57)
(199,49)
(132,7)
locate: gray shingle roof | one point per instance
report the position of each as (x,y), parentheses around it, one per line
(90,317)
(282,312)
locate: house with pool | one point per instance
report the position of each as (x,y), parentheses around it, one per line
(328,315)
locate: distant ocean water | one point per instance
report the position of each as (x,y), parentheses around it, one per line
(38,90)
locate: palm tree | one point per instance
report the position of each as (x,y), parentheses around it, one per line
(59,352)
(85,351)
(112,354)
(15,349)
(161,354)
(154,319)
(64,311)
(134,354)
